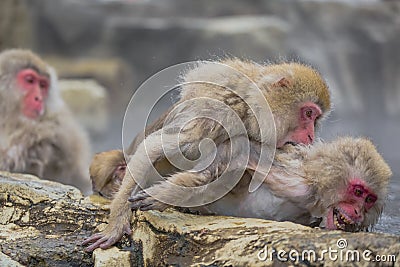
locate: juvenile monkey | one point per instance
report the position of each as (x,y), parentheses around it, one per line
(344,183)
(38,133)
(107,171)
(298,98)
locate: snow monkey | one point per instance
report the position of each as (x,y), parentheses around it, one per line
(38,133)
(107,171)
(342,184)
(298,99)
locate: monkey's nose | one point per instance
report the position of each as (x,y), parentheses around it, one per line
(358,215)
(38,98)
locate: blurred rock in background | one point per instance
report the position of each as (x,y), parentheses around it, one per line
(88,101)
(355,45)
(15,24)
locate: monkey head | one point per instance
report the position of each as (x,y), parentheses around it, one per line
(107,171)
(297,95)
(350,179)
(299,99)
(28,76)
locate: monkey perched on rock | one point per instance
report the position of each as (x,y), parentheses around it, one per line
(38,133)
(236,91)
(344,183)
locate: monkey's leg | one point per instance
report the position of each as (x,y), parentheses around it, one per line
(141,162)
(173,188)
(180,188)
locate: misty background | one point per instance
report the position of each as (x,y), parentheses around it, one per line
(121,43)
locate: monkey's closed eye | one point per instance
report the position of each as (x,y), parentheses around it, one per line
(43,85)
(29,79)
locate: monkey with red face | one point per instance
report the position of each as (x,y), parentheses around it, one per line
(298,99)
(38,133)
(343,184)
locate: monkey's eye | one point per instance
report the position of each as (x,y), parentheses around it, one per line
(370,199)
(358,192)
(29,79)
(309,113)
(44,85)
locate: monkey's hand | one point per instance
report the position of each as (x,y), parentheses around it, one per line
(119,219)
(111,235)
(13,159)
(143,201)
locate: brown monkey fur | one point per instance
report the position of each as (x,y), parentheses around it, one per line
(52,146)
(306,184)
(106,173)
(286,87)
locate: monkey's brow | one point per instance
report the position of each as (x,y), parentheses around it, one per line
(33,67)
(28,66)
(320,104)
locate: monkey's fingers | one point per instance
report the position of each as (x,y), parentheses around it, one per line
(139,205)
(107,238)
(138,197)
(92,238)
(149,204)
(98,243)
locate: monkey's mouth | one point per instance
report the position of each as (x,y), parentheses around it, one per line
(291,143)
(343,222)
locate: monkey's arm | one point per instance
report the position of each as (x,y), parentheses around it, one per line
(39,157)
(283,181)
(182,187)
(30,154)
(120,215)
(119,219)
(178,187)
(12,159)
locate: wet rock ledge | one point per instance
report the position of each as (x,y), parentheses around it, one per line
(42,223)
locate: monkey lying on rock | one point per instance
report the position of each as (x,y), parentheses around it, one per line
(343,182)
(340,185)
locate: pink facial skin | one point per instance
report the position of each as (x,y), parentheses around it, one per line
(35,89)
(119,172)
(304,133)
(357,200)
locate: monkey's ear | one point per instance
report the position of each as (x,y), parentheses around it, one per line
(282,83)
